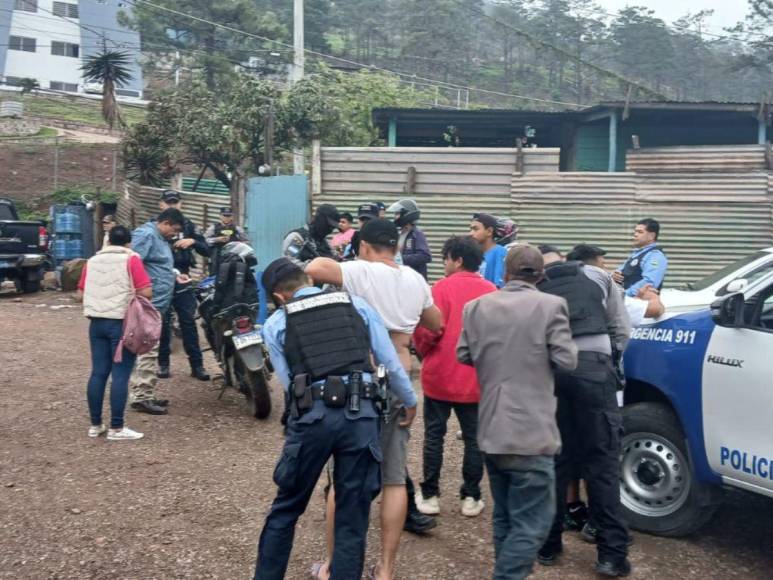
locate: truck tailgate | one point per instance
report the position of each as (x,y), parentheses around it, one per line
(19,237)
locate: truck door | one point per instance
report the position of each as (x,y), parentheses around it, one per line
(737,397)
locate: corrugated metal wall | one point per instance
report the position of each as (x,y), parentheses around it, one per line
(451,184)
(708,220)
(720,158)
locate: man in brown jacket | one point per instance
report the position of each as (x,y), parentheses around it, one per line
(515,338)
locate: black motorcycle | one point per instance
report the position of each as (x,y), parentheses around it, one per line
(235,338)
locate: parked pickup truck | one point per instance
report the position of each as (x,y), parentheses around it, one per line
(698,413)
(23,249)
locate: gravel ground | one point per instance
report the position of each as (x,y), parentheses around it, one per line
(188,501)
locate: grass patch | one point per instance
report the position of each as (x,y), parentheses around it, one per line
(75,109)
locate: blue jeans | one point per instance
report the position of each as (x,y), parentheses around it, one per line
(311,440)
(104,335)
(523,488)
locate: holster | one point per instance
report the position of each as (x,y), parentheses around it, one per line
(335,392)
(301,396)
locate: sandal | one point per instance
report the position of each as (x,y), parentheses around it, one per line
(316,568)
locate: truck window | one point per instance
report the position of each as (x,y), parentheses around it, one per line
(759,311)
(704,283)
(5,212)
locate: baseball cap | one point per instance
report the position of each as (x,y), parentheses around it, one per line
(330,212)
(226,211)
(525,261)
(488,220)
(170,196)
(380,205)
(380,231)
(584,252)
(278,271)
(368,211)
(549,249)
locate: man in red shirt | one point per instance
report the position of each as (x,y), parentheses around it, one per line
(447,383)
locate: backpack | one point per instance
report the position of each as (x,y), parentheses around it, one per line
(141,326)
(234,284)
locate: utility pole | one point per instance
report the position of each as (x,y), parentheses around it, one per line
(176,68)
(299,61)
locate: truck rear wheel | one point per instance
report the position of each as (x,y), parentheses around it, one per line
(30,286)
(658,490)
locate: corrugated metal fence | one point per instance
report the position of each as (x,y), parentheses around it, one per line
(709,218)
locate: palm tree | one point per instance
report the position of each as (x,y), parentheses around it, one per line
(111,69)
(29,85)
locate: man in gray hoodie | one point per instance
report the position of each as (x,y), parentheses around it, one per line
(514,356)
(151,242)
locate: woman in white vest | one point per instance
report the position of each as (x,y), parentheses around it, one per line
(108,282)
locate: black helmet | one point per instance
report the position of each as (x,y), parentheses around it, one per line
(242,251)
(406,212)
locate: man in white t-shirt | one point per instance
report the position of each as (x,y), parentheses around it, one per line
(404,300)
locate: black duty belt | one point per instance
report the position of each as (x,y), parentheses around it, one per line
(593,356)
(369,391)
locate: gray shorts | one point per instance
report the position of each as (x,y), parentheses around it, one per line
(394,448)
(394,451)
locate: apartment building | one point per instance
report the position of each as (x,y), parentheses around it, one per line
(48,39)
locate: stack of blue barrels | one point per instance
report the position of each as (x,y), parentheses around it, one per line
(69,230)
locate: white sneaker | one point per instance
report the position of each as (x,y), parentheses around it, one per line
(96,430)
(124,434)
(472,508)
(428,506)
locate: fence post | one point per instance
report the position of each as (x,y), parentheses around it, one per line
(316,168)
(115,169)
(56,163)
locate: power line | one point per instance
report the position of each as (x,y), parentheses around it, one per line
(352,62)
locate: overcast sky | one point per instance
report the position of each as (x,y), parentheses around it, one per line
(726,12)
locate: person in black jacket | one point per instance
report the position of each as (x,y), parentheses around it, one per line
(188,241)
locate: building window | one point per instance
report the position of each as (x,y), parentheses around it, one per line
(13,81)
(65,49)
(26,5)
(21,43)
(66,10)
(66,87)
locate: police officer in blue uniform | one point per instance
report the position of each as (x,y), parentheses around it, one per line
(647,264)
(320,345)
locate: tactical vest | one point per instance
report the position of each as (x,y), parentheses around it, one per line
(585,298)
(325,335)
(632,272)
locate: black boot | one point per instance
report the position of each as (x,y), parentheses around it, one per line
(612,569)
(149,408)
(163,372)
(200,373)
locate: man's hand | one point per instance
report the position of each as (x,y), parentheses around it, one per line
(184,244)
(183,279)
(410,415)
(222,240)
(617,276)
(647,292)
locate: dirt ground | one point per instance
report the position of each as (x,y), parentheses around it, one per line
(188,501)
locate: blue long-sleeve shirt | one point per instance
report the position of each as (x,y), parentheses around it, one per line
(653,268)
(158,259)
(380,344)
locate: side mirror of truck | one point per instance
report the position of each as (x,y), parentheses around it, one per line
(737,285)
(728,311)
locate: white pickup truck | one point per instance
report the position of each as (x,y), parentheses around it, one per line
(698,411)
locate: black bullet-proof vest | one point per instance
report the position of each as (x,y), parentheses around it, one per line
(587,314)
(632,272)
(325,336)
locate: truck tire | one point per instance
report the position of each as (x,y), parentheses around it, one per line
(658,490)
(30,286)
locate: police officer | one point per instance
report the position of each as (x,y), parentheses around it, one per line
(647,264)
(365,213)
(184,299)
(412,247)
(332,393)
(222,233)
(588,415)
(310,241)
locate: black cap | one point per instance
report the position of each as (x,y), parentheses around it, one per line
(277,271)
(170,196)
(330,212)
(368,211)
(584,252)
(549,249)
(226,211)
(380,205)
(488,220)
(380,231)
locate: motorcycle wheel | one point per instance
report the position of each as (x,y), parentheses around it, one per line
(254,385)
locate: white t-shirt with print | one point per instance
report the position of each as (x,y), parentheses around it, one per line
(637,309)
(399,294)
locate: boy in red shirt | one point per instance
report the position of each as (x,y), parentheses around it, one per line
(449,385)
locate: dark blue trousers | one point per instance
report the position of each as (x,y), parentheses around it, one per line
(310,442)
(185,304)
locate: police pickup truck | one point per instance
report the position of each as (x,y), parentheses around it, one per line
(698,412)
